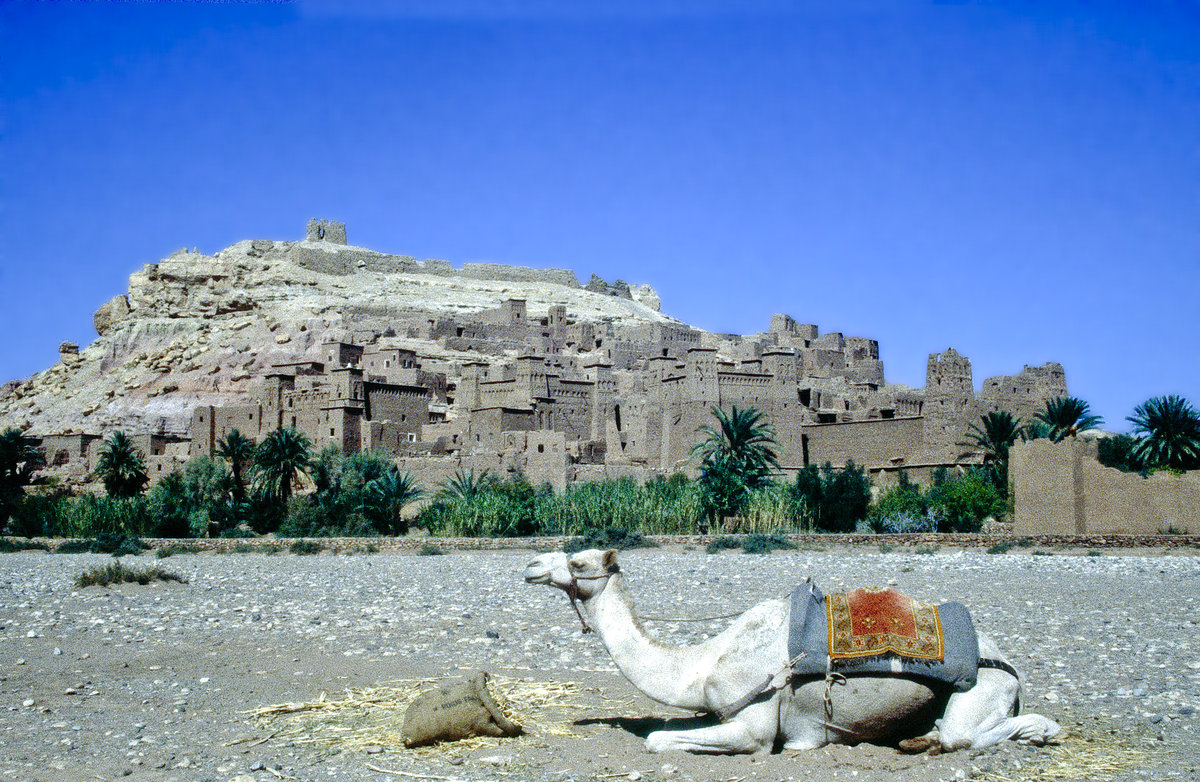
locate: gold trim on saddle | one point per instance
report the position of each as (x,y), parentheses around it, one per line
(873,622)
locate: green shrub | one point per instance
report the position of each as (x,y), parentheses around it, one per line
(962,502)
(1117,452)
(886,548)
(926,550)
(117,544)
(38,515)
(905,523)
(193,502)
(774,507)
(89,516)
(9,545)
(905,500)
(73,547)
(238,532)
(306,547)
(723,543)
(607,538)
(359,494)
(250,548)
(1003,547)
(429,550)
(759,543)
(117,573)
(835,500)
(177,548)
(1095,553)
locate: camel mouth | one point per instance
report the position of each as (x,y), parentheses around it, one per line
(537,576)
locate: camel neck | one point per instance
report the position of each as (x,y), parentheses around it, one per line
(668,674)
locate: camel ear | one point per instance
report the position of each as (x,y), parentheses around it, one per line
(609,561)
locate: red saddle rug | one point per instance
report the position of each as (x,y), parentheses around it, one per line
(872,622)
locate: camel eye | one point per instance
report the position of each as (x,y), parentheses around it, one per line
(575,566)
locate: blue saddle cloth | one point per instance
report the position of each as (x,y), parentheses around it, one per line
(808,646)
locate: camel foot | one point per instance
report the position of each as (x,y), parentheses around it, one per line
(927,743)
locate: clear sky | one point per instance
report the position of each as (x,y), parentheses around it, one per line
(1018,180)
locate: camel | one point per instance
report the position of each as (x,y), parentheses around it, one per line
(796,714)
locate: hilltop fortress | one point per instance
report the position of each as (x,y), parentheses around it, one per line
(480,367)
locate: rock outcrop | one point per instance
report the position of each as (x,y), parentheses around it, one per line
(201,329)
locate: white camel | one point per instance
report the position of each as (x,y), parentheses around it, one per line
(800,714)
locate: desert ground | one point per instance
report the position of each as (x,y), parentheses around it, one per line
(168,681)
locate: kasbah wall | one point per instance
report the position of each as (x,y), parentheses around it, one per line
(565,399)
(1061,489)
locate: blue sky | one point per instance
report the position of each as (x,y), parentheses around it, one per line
(1018,180)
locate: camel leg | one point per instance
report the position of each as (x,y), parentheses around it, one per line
(983,716)
(729,737)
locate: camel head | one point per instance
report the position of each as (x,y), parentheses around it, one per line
(587,570)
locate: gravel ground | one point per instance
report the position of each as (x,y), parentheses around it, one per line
(154,682)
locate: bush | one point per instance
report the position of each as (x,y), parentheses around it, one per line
(238,532)
(1117,452)
(73,547)
(723,543)
(926,550)
(759,543)
(38,515)
(835,499)
(309,517)
(905,522)
(9,545)
(360,494)
(429,550)
(117,573)
(306,547)
(899,507)
(607,538)
(512,508)
(89,516)
(964,501)
(177,548)
(194,502)
(117,544)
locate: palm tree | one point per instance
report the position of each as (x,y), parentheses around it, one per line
(1000,430)
(465,485)
(238,450)
(121,467)
(279,460)
(391,492)
(735,457)
(20,458)
(1067,416)
(1169,432)
(1035,430)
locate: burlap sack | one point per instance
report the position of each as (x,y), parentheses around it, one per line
(456,711)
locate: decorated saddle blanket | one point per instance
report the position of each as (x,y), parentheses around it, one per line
(881,631)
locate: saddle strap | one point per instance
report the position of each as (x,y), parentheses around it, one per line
(999,665)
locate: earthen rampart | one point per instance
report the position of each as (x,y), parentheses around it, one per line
(1061,489)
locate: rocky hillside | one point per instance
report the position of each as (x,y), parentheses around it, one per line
(200,329)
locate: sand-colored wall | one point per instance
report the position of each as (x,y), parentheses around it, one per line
(871,443)
(1060,488)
